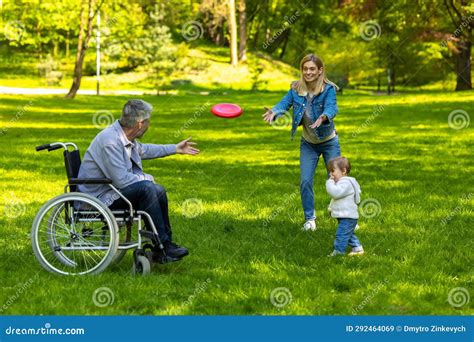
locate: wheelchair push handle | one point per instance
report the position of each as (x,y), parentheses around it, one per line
(55,146)
(49,147)
(42,147)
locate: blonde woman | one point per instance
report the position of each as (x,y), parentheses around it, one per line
(313,98)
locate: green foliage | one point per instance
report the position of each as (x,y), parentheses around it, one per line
(48,69)
(414,42)
(157,50)
(256,69)
(37,25)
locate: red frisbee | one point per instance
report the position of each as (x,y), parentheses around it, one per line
(226,110)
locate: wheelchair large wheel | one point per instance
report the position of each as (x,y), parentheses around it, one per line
(74,234)
(125,237)
(53,223)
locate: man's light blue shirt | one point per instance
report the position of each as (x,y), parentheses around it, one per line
(111,155)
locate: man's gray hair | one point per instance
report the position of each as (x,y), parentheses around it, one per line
(134,111)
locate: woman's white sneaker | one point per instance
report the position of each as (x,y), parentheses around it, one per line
(309,225)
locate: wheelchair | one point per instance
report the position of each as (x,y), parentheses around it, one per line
(76,234)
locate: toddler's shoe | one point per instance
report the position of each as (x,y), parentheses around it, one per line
(309,225)
(335,253)
(356,251)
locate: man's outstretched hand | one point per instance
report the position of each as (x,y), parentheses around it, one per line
(186,147)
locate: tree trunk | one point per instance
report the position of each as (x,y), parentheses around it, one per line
(221,35)
(67,45)
(233,33)
(463,66)
(243,31)
(459,17)
(83,44)
(255,38)
(389,81)
(266,14)
(285,42)
(393,79)
(76,80)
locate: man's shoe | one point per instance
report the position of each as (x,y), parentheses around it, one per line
(158,255)
(174,250)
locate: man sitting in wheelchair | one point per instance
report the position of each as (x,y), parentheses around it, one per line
(116,154)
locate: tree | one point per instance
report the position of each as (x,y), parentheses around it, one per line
(85,32)
(243,31)
(213,15)
(462,22)
(158,53)
(233,33)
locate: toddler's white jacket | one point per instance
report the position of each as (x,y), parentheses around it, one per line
(345,195)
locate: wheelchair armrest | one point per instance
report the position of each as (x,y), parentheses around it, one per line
(77,181)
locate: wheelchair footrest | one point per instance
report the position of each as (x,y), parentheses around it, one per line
(166,260)
(159,259)
(150,235)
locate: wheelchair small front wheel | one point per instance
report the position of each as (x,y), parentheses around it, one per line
(74,234)
(141,266)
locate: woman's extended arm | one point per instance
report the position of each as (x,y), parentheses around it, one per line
(280,108)
(330,108)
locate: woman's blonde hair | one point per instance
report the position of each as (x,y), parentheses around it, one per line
(301,87)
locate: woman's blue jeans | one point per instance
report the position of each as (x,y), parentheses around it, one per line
(309,157)
(151,198)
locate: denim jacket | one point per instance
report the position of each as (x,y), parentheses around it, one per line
(323,103)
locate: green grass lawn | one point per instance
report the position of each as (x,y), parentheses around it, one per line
(248,240)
